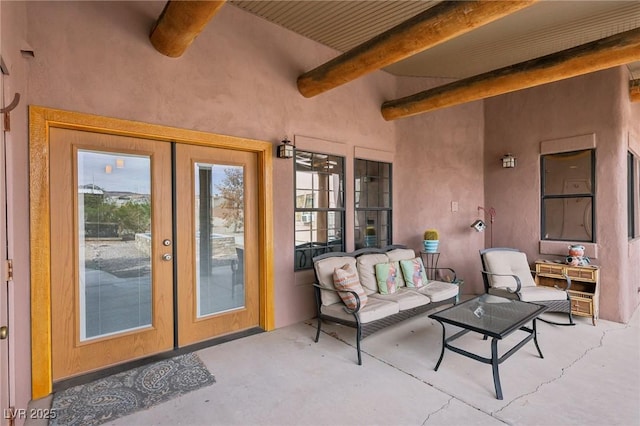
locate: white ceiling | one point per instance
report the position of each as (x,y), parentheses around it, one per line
(543,28)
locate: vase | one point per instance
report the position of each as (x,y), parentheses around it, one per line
(431,246)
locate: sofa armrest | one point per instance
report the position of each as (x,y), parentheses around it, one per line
(346,309)
(438,269)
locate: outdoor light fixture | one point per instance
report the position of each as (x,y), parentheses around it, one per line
(285,150)
(508,161)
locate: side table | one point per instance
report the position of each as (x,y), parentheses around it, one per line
(430,264)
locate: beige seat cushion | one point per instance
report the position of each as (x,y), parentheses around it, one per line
(508,263)
(374,310)
(401,254)
(438,290)
(367,272)
(405,298)
(542,293)
(324,271)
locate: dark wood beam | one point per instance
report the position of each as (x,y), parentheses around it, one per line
(180,23)
(634,90)
(619,49)
(435,25)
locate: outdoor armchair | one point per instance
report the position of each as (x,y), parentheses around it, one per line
(506,273)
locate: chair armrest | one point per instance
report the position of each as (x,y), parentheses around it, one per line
(347,310)
(515,277)
(426,268)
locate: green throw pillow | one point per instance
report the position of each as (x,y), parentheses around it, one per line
(387,277)
(414,273)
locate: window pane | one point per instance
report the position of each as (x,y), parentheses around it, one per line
(319,205)
(568,218)
(568,173)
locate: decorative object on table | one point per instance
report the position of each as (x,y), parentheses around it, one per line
(431,240)
(576,256)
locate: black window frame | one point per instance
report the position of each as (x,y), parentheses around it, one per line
(377,217)
(304,252)
(633,210)
(591,195)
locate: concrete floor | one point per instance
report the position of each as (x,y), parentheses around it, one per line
(589,376)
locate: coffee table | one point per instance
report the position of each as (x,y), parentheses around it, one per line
(494,317)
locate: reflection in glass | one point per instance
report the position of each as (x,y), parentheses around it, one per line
(319,206)
(219,238)
(114,231)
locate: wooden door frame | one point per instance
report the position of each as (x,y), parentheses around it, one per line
(41,119)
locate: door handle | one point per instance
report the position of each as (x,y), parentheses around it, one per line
(4,332)
(167,257)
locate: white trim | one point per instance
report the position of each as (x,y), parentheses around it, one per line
(362,153)
(573,143)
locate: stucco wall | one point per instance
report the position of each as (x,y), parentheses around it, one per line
(439,161)
(237,78)
(517,123)
(12,36)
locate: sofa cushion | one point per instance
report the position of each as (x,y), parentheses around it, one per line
(508,263)
(324,271)
(367,272)
(405,298)
(439,290)
(387,277)
(413,272)
(375,309)
(346,278)
(401,254)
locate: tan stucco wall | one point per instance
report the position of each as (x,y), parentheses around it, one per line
(518,123)
(238,78)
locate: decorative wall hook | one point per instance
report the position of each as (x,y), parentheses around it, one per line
(7,109)
(12,105)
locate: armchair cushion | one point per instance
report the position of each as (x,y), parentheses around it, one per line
(541,293)
(346,278)
(508,263)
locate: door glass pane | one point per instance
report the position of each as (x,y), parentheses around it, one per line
(114,229)
(219,236)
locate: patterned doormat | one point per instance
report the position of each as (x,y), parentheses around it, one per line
(133,390)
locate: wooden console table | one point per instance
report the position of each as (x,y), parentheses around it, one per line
(585,285)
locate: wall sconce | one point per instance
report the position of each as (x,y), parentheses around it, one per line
(508,161)
(285,150)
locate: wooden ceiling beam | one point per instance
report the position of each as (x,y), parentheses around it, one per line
(435,25)
(634,90)
(616,50)
(180,23)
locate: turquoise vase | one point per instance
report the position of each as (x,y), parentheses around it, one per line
(431,246)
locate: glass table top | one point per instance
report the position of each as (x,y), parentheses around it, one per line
(491,315)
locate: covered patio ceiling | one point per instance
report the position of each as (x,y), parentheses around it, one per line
(487,48)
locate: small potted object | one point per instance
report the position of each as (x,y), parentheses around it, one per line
(431,240)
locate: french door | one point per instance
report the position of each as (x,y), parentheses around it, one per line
(154,245)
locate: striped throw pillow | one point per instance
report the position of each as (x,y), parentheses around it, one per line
(346,278)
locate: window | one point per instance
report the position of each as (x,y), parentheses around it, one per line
(372,203)
(568,188)
(633,185)
(319,206)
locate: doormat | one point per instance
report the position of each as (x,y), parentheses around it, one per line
(130,391)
